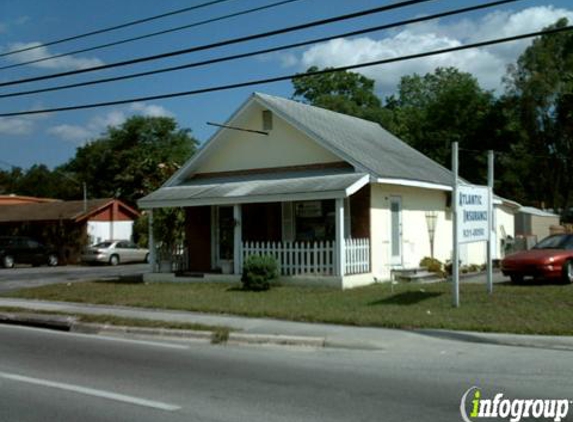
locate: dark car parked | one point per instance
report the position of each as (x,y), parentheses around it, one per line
(23,250)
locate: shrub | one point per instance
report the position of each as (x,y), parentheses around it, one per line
(258,271)
(474,268)
(433,265)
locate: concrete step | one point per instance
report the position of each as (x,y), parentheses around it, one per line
(420,276)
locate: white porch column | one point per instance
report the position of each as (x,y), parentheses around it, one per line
(151,242)
(238,239)
(340,252)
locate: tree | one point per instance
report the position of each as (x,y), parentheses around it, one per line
(344,92)
(442,107)
(38,181)
(540,87)
(131,160)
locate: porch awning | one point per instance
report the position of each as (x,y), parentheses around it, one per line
(256,188)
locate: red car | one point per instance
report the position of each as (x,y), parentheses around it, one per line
(552,258)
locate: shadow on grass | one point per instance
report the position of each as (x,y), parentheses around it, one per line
(126,279)
(406,298)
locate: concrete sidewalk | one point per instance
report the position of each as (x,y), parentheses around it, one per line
(262,330)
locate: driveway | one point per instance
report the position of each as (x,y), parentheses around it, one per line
(24,277)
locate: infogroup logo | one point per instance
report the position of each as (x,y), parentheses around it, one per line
(513,410)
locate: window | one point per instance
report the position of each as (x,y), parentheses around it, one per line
(267,120)
(314,220)
(32,244)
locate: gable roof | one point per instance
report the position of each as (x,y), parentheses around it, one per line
(366,145)
(363,143)
(53,211)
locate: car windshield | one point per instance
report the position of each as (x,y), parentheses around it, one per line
(553,242)
(102,245)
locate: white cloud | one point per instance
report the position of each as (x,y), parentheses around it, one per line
(16,126)
(60,63)
(150,110)
(80,134)
(487,64)
(70,133)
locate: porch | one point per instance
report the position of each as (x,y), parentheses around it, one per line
(323,241)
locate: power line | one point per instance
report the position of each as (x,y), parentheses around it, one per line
(221,43)
(152,34)
(258,52)
(292,76)
(113,28)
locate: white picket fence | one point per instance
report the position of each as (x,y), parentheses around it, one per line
(316,258)
(357,256)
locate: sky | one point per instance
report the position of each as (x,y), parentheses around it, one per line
(53,138)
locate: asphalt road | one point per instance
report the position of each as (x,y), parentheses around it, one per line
(25,276)
(51,376)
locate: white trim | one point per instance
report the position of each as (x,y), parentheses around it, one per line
(396,261)
(413,183)
(304,196)
(356,186)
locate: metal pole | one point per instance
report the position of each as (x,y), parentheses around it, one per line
(491,225)
(85,197)
(151,242)
(455,250)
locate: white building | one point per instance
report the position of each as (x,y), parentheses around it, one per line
(355,200)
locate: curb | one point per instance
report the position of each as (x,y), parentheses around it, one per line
(514,340)
(71,324)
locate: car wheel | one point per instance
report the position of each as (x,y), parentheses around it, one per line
(146,260)
(8,261)
(516,278)
(114,260)
(568,272)
(52,260)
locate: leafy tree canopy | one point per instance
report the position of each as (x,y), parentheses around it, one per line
(131,160)
(344,92)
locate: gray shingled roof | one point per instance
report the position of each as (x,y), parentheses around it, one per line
(365,143)
(255,188)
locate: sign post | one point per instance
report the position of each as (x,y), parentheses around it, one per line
(456,248)
(491,225)
(472,208)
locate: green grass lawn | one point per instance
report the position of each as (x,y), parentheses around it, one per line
(539,309)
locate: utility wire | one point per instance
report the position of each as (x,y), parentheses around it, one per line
(152,34)
(113,28)
(292,76)
(258,52)
(222,43)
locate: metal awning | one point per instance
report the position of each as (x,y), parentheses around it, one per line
(256,188)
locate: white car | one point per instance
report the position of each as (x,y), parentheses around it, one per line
(114,252)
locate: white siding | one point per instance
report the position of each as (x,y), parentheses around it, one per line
(415,238)
(98,231)
(284,146)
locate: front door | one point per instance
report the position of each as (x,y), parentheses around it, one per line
(225,235)
(396,231)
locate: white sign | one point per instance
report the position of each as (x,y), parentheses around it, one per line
(472,213)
